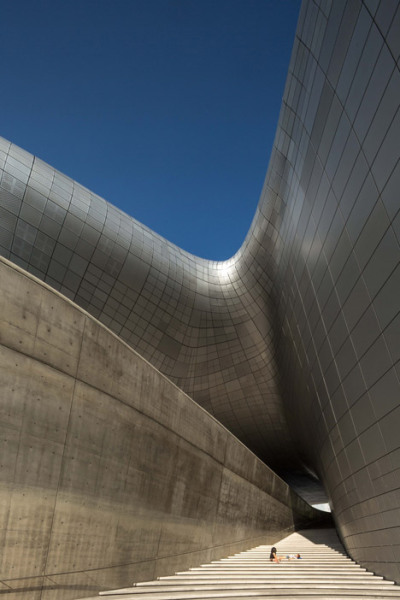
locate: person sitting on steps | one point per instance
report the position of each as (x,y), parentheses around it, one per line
(273,557)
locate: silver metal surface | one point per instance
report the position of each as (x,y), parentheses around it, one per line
(293,343)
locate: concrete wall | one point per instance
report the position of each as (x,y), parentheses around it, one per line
(109,473)
(300,330)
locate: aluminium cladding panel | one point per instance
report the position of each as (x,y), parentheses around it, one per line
(204,324)
(338,266)
(312,295)
(109,472)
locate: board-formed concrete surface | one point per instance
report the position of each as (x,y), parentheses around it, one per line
(109,472)
(293,343)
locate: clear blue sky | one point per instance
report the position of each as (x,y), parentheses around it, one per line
(165,108)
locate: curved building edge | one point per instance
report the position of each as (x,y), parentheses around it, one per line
(299,331)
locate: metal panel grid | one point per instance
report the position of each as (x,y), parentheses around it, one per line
(298,331)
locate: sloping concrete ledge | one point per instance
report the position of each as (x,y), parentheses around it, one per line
(109,472)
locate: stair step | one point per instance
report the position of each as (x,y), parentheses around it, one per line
(333,592)
(227,587)
(262,581)
(324,572)
(266,579)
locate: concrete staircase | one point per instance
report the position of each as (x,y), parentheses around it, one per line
(323,572)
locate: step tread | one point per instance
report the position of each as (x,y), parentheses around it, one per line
(324,572)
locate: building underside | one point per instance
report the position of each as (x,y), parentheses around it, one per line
(294,343)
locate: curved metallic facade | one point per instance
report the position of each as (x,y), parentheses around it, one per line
(298,333)
(203,324)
